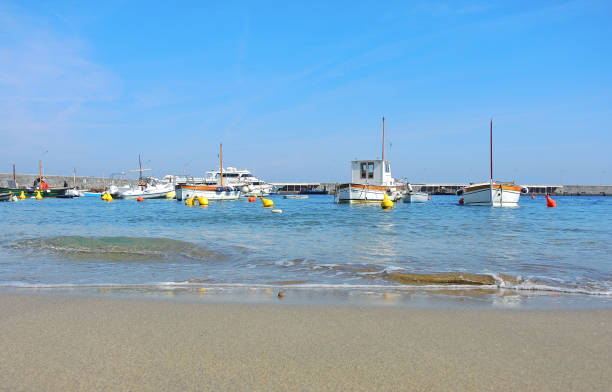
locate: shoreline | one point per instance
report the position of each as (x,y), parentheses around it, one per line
(59,342)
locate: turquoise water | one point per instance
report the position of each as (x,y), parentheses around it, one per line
(314,243)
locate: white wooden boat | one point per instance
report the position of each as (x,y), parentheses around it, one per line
(370,180)
(210,191)
(493,193)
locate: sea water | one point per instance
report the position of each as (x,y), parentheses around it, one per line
(314,247)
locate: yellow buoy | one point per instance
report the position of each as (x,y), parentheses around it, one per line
(38,195)
(170,195)
(109,197)
(386,203)
(267,203)
(22,195)
(104,196)
(189,201)
(202,201)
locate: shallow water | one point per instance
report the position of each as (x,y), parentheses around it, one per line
(314,243)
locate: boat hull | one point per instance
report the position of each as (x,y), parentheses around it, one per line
(50,192)
(416,197)
(497,196)
(208,192)
(358,193)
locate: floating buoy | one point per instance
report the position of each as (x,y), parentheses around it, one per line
(550,202)
(532,197)
(202,201)
(387,296)
(109,197)
(268,291)
(267,203)
(202,289)
(14,198)
(386,204)
(428,197)
(139,198)
(38,195)
(189,201)
(281,294)
(170,195)
(277,211)
(252,199)
(461,201)
(22,196)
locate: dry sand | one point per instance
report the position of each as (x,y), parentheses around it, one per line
(73,343)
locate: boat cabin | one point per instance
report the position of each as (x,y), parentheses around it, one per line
(371,172)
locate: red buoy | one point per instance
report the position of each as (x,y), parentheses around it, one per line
(252,199)
(139,198)
(532,197)
(461,201)
(550,202)
(428,198)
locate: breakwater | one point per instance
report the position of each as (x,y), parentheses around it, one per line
(82,182)
(26,180)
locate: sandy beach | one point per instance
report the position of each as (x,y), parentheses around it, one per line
(63,343)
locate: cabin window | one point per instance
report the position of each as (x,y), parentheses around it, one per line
(370,169)
(387,168)
(363,169)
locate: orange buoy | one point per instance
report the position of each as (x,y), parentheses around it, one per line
(139,198)
(252,199)
(461,201)
(428,198)
(550,202)
(532,197)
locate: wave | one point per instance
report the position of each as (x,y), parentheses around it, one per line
(120,248)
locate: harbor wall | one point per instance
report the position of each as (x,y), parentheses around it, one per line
(26,180)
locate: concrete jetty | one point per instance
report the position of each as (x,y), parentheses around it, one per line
(27,180)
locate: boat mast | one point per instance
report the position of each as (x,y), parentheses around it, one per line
(491,158)
(140,168)
(221,161)
(383,142)
(74,177)
(39,174)
(14,178)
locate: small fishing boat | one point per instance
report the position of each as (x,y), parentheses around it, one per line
(210,191)
(370,181)
(494,193)
(5,196)
(147,188)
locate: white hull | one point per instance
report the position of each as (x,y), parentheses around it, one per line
(495,197)
(148,192)
(355,193)
(210,195)
(415,197)
(129,195)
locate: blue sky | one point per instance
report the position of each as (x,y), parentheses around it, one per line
(295,90)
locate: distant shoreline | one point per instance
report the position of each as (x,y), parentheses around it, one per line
(431,188)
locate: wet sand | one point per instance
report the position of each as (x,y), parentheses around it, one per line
(63,343)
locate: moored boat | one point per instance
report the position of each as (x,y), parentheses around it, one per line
(494,193)
(210,190)
(370,181)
